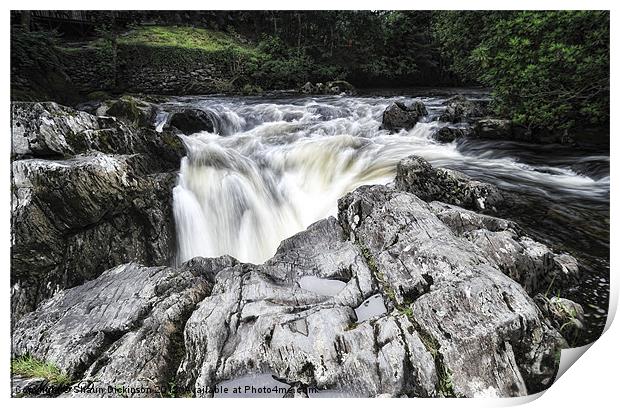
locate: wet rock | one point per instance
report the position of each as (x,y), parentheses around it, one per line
(251,322)
(461,109)
(259,318)
(72,219)
(122,329)
(449,134)
(329,88)
(400,116)
(88,193)
(526,261)
(131,110)
(49,130)
(567,267)
(320,251)
(417,176)
(468,313)
(534,265)
(460,220)
(340,87)
(308,88)
(493,129)
(191,121)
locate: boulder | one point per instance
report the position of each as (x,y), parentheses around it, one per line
(449,134)
(88,193)
(329,88)
(72,219)
(123,329)
(49,130)
(254,324)
(460,109)
(417,176)
(565,315)
(308,88)
(339,87)
(400,116)
(493,129)
(191,120)
(131,110)
(457,298)
(528,262)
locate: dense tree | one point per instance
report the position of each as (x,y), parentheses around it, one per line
(547,69)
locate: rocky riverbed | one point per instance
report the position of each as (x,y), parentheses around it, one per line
(417,286)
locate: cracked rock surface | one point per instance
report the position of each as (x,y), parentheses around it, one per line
(88,193)
(457,318)
(122,328)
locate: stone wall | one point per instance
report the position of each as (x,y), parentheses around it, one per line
(196,79)
(91,69)
(155,70)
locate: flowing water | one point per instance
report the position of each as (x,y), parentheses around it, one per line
(273,166)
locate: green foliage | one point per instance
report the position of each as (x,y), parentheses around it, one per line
(547,69)
(351,326)
(31,367)
(185,37)
(183,45)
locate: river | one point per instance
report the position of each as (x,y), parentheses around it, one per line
(275,165)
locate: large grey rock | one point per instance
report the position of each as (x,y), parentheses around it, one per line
(534,265)
(131,110)
(49,130)
(417,176)
(448,134)
(487,335)
(191,120)
(530,263)
(260,319)
(460,109)
(72,219)
(122,329)
(88,193)
(493,129)
(322,250)
(339,87)
(399,116)
(255,322)
(564,314)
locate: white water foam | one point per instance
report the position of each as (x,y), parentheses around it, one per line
(275,168)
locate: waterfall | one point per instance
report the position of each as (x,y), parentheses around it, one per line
(273,168)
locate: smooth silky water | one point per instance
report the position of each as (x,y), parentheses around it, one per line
(274,166)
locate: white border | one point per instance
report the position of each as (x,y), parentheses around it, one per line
(592,381)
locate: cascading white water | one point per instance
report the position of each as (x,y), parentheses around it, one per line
(275,168)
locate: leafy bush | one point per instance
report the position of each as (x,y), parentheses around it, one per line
(547,69)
